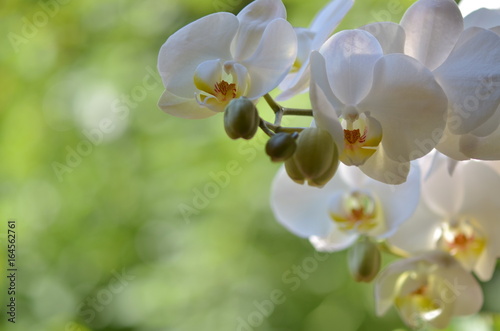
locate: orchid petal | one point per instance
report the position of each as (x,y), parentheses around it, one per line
(461,288)
(298,82)
(353,176)
(328,19)
(486,263)
(208,38)
(350,56)
(241,77)
(449,144)
(481,148)
(418,233)
(442,192)
(483,18)
(483,203)
(254,20)
(409,104)
(398,202)
(320,78)
(183,107)
(207,74)
(295,83)
(336,240)
(432,29)
(391,36)
(489,126)
(384,169)
(302,209)
(470,78)
(272,59)
(324,113)
(385,291)
(304,44)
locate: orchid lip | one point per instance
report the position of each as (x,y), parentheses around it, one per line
(362,135)
(359,212)
(464,239)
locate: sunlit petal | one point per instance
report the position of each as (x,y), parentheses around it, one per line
(432,29)
(409,105)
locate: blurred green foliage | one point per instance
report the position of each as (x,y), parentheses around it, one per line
(97,177)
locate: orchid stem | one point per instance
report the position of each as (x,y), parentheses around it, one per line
(280,111)
(264,126)
(297,112)
(279,128)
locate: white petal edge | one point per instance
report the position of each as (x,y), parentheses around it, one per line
(432,29)
(182,107)
(483,18)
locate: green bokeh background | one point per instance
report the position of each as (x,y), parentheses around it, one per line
(92,202)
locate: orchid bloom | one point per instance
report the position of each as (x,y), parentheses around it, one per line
(220,57)
(378,108)
(458,214)
(427,290)
(348,206)
(311,39)
(466,63)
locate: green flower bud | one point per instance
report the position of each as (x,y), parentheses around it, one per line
(315,160)
(281,146)
(241,119)
(364,260)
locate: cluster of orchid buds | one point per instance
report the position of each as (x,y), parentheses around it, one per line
(399,157)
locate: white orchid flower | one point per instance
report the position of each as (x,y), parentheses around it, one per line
(428,290)
(380,109)
(466,63)
(220,57)
(311,39)
(348,206)
(458,214)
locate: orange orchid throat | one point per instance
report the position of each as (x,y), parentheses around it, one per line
(224,91)
(354,136)
(362,135)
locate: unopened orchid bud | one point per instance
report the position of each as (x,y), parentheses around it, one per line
(315,160)
(364,260)
(281,146)
(241,119)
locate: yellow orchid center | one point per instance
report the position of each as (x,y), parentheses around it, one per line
(420,304)
(359,212)
(218,83)
(362,135)
(224,92)
(463,239)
